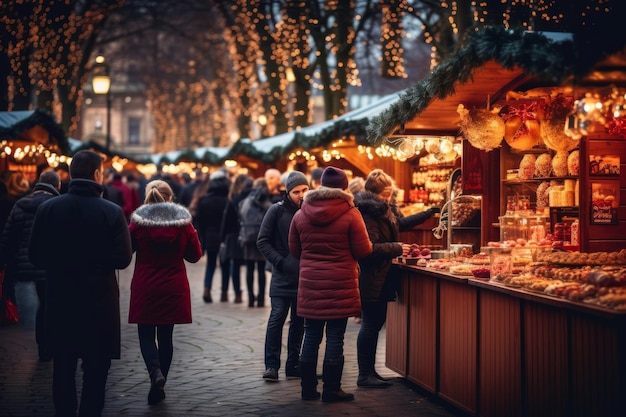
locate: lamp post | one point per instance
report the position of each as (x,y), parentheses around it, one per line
(101,84)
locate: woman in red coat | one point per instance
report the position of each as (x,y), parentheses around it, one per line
(163,236)
(328,236)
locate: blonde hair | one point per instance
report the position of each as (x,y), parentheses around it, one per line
(378,180)
(158,191)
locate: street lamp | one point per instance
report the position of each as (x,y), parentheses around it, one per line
(101,84)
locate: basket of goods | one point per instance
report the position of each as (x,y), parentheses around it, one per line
(527,167)
(559,163)
(543,165)
(573,163)
(483,128)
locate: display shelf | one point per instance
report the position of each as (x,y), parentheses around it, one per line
(515,181)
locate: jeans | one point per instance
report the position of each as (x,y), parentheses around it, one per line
(156,357)
(260,266)
(274,333)
(313,333)
(231,267)
(373,316)
(95,372)
(211,265)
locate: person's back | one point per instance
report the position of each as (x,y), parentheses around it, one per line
(16,235)
(323,236)
(163,237)
(209,216)
(328,235)
(14,251)
(251,212)
(129,202)
(80,239)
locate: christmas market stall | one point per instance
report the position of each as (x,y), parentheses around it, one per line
(526,314)
(29,141)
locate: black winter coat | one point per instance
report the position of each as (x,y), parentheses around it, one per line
(384,222)
(80,239)
(16,236)
(210,214)
(273,243)
(230,228)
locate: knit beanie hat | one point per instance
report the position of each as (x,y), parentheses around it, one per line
(334,178)
(316,174)
(294,179)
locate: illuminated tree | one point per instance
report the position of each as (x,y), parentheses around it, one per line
(46,44)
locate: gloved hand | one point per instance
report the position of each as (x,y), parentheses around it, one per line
(434,210)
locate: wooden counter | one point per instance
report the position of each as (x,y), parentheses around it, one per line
(491,350)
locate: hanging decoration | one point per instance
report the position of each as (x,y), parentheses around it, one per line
(553,114)
(483,128)
(521,128)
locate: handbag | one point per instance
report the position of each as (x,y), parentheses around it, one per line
(8,309)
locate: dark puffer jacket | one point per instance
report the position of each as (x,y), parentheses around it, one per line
(384,222)
(16,236)
(328,235)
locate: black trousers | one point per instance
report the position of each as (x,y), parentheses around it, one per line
(95,368)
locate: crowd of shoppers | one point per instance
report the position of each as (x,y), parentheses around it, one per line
(327,242)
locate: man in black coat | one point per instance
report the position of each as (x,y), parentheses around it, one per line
(80,239)
(273,243)
(14,250)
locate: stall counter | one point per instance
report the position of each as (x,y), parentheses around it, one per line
(492,350)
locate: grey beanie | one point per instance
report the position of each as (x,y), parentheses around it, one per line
(294,179)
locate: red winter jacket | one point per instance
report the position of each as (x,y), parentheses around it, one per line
(328,235)
(163,237)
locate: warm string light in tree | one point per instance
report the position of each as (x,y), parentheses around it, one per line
(391,40)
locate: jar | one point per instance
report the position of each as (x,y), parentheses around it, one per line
(562,232)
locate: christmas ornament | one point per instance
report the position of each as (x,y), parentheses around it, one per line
(483,129)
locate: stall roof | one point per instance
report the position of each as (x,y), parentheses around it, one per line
(35,126)
(272,149)
(493,62)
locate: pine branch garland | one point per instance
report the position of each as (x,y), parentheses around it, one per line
(533,52)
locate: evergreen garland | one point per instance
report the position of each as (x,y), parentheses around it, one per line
(533,52)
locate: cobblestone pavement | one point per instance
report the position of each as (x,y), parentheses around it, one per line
(216,371)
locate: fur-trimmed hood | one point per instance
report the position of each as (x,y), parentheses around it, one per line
(161,215)
(324,205)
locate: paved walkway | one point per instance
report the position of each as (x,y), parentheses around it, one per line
(216,371)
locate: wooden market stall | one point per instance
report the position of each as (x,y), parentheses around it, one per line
(28,139)
(519,344)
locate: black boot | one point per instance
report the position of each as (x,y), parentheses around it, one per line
(333,369)
(308,381)
(369,380)
(157,382)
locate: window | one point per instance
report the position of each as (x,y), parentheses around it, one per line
(134,129)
